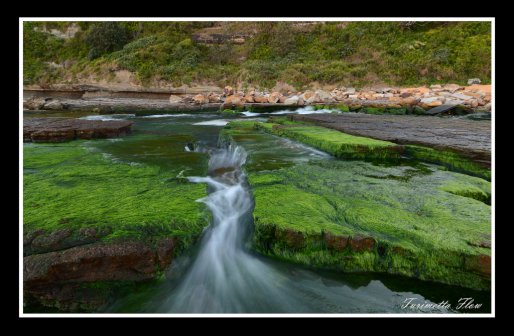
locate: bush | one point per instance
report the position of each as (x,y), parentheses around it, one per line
(105,37)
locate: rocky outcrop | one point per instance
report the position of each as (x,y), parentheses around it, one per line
(51,278)
(66,129)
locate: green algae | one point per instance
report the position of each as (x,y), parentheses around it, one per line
(449,159)
(426,222)
(433,229)
(346,146)
(466,186)
(69,186)
(339,144)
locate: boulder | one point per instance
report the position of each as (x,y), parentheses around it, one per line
(452,87)
(461,96)
(324,96)
(175,99)
(436,86)
(53,105)
(200,99)
(228,91)
(307,94)
(35,103)
(405,94)
(233,101)
(214,97)
(472,81)
(274,97)
(292,100)
(249,99)
(260,99)
(349,91)
(282,99)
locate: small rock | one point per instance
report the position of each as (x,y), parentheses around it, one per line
(435,86)
(405,94)
(472,81)
(349,91)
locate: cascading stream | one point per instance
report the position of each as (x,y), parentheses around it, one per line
(224,277)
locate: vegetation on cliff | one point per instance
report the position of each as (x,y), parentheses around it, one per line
(344,53)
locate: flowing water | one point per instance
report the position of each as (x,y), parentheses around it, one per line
(222,275)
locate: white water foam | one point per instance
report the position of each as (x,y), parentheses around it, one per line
(167,115)
(108,117)
(215,122)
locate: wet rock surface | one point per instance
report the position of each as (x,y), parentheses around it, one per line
(65,129)
(68,279)
(467,137)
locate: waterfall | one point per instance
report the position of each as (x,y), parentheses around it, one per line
(224,277)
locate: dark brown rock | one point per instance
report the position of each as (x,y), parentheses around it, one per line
(165,250)
(361,243)
(65,129)
(97,262)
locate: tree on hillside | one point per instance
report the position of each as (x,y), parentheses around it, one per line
(105,37)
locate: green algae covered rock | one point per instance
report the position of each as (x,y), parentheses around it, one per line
(67,186)
(339,144)
(451,160)
(409,218)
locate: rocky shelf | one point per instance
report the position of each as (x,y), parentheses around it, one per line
(65,129)
(469,138)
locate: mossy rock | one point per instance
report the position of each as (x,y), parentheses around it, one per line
(355,216)
(68,186)
(339,144)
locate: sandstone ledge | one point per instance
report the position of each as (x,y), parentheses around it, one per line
(65,129)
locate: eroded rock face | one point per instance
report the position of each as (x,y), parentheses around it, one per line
(65,129)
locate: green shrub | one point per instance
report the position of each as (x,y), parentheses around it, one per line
(105,37)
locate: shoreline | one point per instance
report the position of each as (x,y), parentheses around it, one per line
(421,100)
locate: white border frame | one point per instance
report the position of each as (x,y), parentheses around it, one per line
(493,101)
